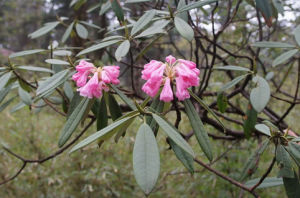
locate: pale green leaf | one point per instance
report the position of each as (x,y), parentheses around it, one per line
(184,29)
(284,57)
(122,50)
(259,96)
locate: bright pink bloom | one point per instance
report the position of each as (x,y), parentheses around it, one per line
(182,73)
(98,78)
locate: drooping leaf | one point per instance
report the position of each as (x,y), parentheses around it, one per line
(294,151)
(44,30)
(124,97)
(114,108)
(184,28)
(100,133)
(183,15)
(24,96)
(292,186)
(268,182)
(198,128)
(27,52)
(263,128)
(73,121)
(74,103)
(142,22)
(81,31)
(105,7)
(297,34)
(270,44)
(67,32)
(173,134)
(265,8)
(284,162)
(249,166)
(5,104)
(185,158)
(222,102)
(284,57)
(68,90)
(157,105)
(250,121)
(259,96)
(4,92)
(56,62)
(122,50)
(34,68)
(146,161)
(116,7)
(232,83)
(97,47)
(4,79)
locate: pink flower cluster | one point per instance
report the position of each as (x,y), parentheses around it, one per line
(92,80)
(183,72)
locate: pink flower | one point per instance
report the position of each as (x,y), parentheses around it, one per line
(157,74)
(98,78)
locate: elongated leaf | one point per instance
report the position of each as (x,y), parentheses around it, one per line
(222,102)
(72,122)
(249,166)
(185,158)
(146,161)
(4,79)
(68,90)
(105,7)
(297,34)
(183,15)
(102,118)
(52,82)
(198,128)
(250,121)
(81,31)
(24,96)
(115,37)
(115,5)
(278,5)
(294,151)
(259,96)
(62,53)
(268,182)
(142,22)
(100,133)
(44,30)
(265,8)
(233,68)
(27,52)
(4,92)
(136,1)
(156,28)
(114,108)
(284,57)
(67,32)
(158,106)
(292,186)
(124,97)
(56,62)
(233,82)
(263,128)
(97,47)
(90,24)
(173,134)
(17,107)
(33,68)
(196,4)
(5,104)
(269,44)
(74,103)
(206,107)
(284,162)
(122,50)
(184,29)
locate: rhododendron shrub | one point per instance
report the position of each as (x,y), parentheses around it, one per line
(158,91)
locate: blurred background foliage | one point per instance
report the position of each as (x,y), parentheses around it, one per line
(107,172)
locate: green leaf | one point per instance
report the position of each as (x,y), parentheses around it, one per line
(33,68)
(27,52)
(233,68)
(142,22)
(124,97)
(250,121)
(24,96)
(4,105)
(269,44)
(198,128)
(155,28)
(122,50)
(44,30)
(146,161)
(74,103)
(73,121)
(196,4)
(173,134)
(97,47)
(278,5)
(206,107)
(297,34)
(81,31)
(183,15)
(101,114)
(67,32)
(268,182)
(17,107)
(222,102)
(249,166)
(115,37)
(115,5)
(233,82)
(4,92)
(4,79)
(90,24)
(284,162)
(100,133)
(68,90)
(292,186)
(56,62)
(62,53)
(185,158)
(114,108)
(184,29)
(259,96)
(136,1)
(105,7)
(284,57)
(294,151)
(263,128)
(51,83)
(157,105)
(266,9)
